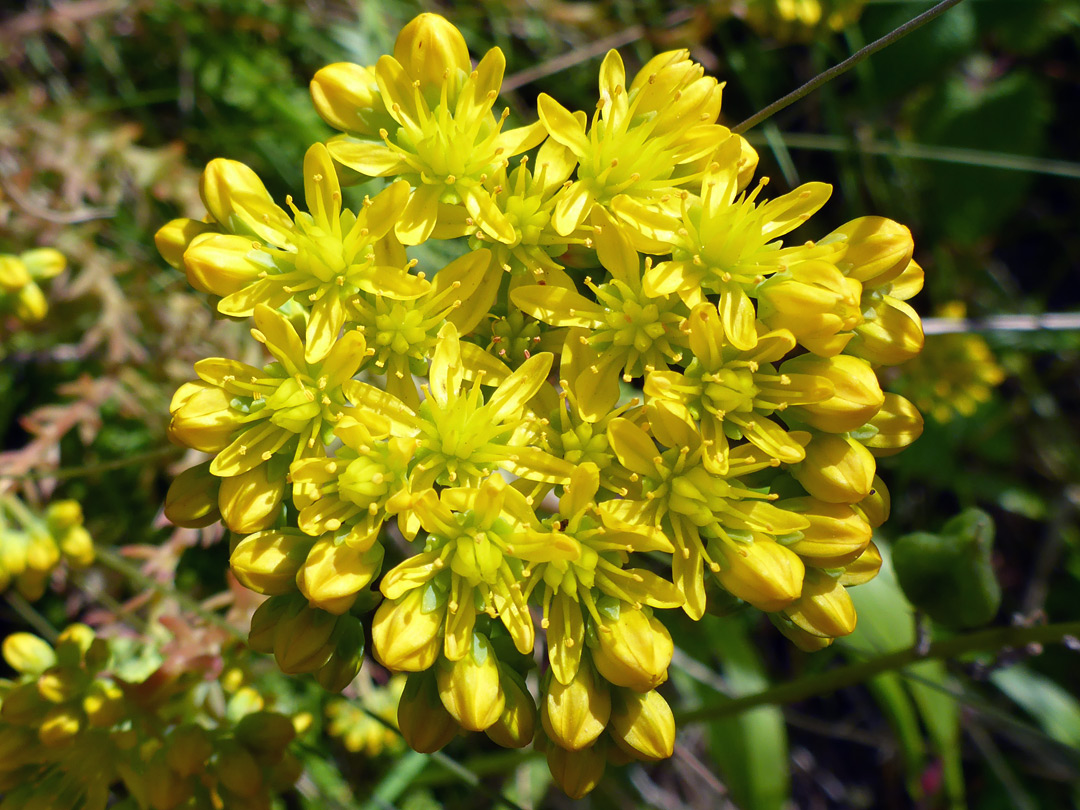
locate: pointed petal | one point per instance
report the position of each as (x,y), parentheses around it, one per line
(236,197)
(370,158)
(562,126)
(446,371)
(566,637)
(557,306)
(788,212)
(418,219)
(321,189)
(738,315)
(280,339)
(511,396)
(633,446)
(324,325)
(573,208)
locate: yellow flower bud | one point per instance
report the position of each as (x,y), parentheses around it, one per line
(104,704)
(173,238)
(27,654)
(22,705)
(251,501)
(424,722)
(863,569)
(202,418)
(347,97)
(404,636)
(878,249)
(60,726)
(43,263)
(857,394)
(163,789)
(60,684)
(31,584)
(634,649)
(575,714)
(77,546)
(335,572)
(13,274)
(188,748)
(42,553)
(898,424)
(267,561)
(13,552)
(470,687)
(30,304)
(61,515)
(516,726)
(875,507)
(576,772)
(837,534)
(264,623)
(762,572)
(302,640)
(432,51)
(221,263)
(893,335)
(814,301)
(837,469)
(192,499)
(825,607)
(807,642)
(642,724)
(238,770)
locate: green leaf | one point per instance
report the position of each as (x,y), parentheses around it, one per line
(751,749)
(1057,711)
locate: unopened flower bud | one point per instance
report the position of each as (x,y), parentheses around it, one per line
(837,469)
(31,305)
(267,561)
(857,394)
(192,499)
(60,684)
(173,238)
(577,772)
(221,263)
(807,642)
(77,546)
(188,749)
(814,301)
(13,274)
(266,735)
(62,515)
(824,609)
(432,51)
(878,249)
(862,569)
(516,726)
(344,664)
(302,640)
(347,97)
(424,722)
(42,553)
(634,648)
(27,654)
(575,714)
(202,417)
(335,572)
(238,770)
(265,621)
(837,534)
(103,704)
(60,726)
(875,507)
(763,572)
(642,724)
(405,636)
(251,501)
(470,687)
(893,335)
(898,424)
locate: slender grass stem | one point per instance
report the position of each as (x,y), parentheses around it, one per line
(88,470)
(31,615)
(838,70)
(852,674)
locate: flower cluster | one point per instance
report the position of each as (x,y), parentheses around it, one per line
(796,19)
(630,389)
(34,544)
(954,375)
(368,727)
(74,732)
(19,277)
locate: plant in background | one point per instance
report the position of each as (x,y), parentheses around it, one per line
(700,406)
(797,20)
(34,544)
(88,716)
(19,277)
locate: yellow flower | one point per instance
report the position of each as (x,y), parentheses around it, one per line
(689,501)
(461,435)
(321,260)
(248,415)
(644,142)
(19,277)
(738,393)
(723,243)
(625,331)
(814,301)
(447,142)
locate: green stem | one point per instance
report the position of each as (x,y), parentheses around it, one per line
(116,562)
(33,618)
(846,65)
(993,639)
